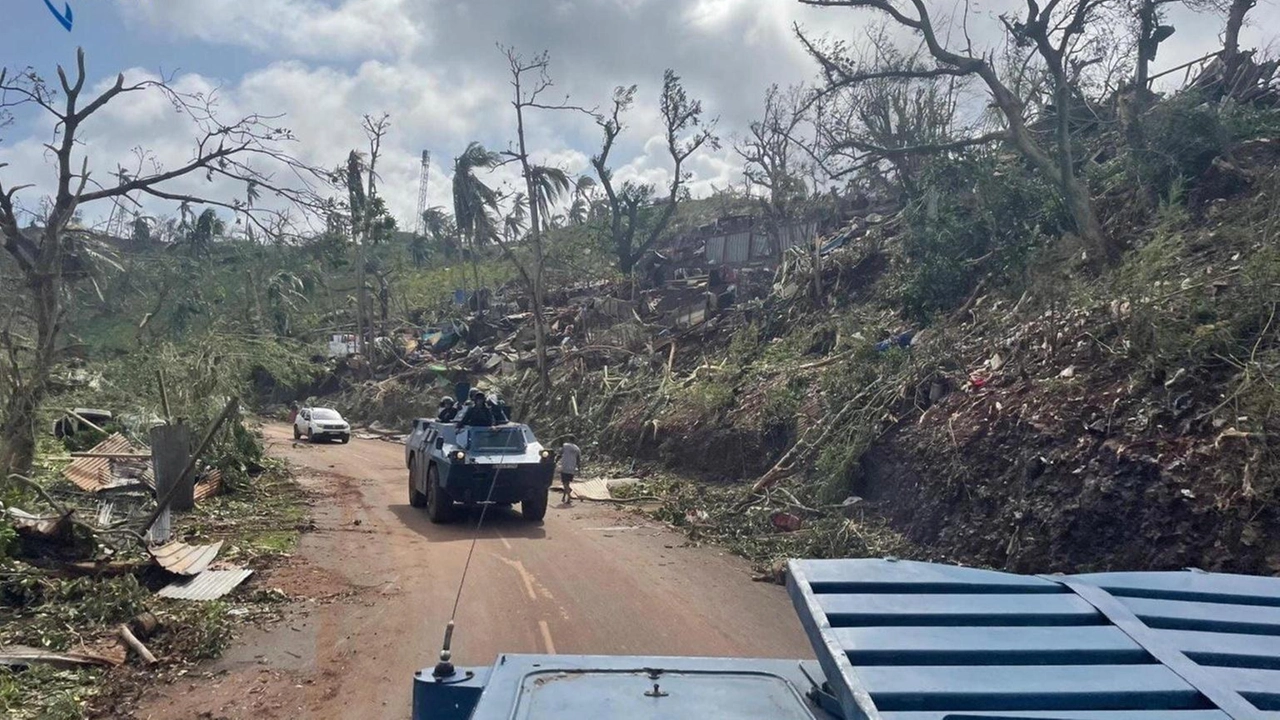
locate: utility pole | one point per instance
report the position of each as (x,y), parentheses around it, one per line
(420,225)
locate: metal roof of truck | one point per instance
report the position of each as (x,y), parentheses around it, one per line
(901,640)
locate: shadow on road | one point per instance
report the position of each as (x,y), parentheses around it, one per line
(504,521)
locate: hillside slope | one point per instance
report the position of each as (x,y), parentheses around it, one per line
(1069,421)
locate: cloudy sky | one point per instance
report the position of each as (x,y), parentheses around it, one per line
(434,66)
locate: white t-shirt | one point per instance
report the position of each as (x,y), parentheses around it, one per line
(569,456)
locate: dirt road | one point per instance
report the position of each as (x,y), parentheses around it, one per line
(378,581)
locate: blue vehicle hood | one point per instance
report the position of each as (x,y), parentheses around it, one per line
(900,640)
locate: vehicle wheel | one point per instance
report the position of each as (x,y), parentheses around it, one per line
(296,435)
(439,504)
(534,507)
(416,499)
(344,439)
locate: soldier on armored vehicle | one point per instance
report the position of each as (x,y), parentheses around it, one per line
(471,460)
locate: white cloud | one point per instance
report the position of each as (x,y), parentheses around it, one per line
(431,64)
(301,28)
(322,106)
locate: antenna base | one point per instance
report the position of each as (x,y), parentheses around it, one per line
(443,669)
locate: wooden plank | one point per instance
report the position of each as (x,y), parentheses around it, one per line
(1190,586)
(171,448)
(1063,715)
(1207,617)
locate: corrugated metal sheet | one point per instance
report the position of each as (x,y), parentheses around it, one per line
(715,250)
(96,474)
(737,248)
(183,559)
(160,529)
(209,485)
(799,235)
(745,246)
(208,585)
(918,641)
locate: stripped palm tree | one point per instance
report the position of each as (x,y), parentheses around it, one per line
(517,221)
(473,200)
(419,250)
(549,184)
(440,228)
(284,291)
(579,209)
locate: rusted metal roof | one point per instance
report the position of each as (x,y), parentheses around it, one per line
(183,559)
(93,474)
(209,485)
(208,585)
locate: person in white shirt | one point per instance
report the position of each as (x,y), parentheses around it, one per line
(570,457)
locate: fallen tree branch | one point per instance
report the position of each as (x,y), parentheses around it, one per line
(785,467)
(44,494)
(825,361)
(132,641)
(82,419)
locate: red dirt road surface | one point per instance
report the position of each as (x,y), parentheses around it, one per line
(376,582)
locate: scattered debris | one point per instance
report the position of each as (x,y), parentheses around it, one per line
(785,521)
(46,527)
(208,485)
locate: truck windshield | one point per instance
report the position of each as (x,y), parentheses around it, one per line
(325,414)
(500,440)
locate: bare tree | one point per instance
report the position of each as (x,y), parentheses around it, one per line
(773,157)
(530,82)
(362,194)
(1236,13)
(624,202)
(686,132)
(1057,35)
(1151,31)
(46,255)
(878,124)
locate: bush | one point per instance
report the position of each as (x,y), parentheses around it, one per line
(1182,136)
(709,398)
(976,215)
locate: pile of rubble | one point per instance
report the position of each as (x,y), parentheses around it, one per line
(113,518)
(630,322)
